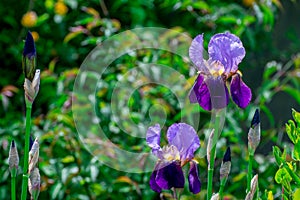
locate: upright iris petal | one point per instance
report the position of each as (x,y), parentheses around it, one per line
(153,138)
(228,49)
(185,138)
(225,51)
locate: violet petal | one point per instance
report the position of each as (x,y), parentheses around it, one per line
(153,184)
(200,90)
(185,139)
(153,138)
(228,49)
(240,92)
(218,92)
(196,52)
(194,181)
(170,176)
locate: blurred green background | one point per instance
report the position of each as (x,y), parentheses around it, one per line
(66,31)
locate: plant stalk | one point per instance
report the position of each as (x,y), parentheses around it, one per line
(249,175)
(216,126)
(13,187)
(26,152)
(222,186)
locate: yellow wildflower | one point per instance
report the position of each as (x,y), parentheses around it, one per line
(60,8)
(29,19)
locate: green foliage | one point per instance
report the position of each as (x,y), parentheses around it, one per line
(68,31)
(287,174)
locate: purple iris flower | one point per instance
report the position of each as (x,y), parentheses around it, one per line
(183,142)
(225,52)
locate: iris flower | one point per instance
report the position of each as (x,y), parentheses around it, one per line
(225,52)
(183,142)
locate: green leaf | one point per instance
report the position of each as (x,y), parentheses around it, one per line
(296,116)
(290,130)
(292,91)
(296,152)
(278,155)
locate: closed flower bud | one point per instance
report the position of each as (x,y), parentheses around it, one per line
(226,165)
(34,183)
(252,191)
(32,88)
(13,159)
(33,155)
(29,57)
(254,133)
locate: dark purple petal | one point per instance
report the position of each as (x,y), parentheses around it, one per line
(170,176)
(153,183)
(153,138)
(201,93)
(194,181)
(240,92)
(218,92)
(227,155)
(185,139)
(196,53)
(256,119)
(29,48)
(228,49)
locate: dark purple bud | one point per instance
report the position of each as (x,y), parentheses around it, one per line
(227,155)
(29,57)
(194,181)
(256,119)
(31,141)
(13,144)
(29,48)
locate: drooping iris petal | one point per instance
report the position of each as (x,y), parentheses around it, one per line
(194,182)
(185,138)
(240,92)
(218,92)
(200,93)
(170,176)
(153,138)
(228,49)
(153,183)
(196,52)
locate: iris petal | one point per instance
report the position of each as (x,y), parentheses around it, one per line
(228,49)
(218,92)
(153,138)
(170,176)
(153,183)
(201,93)
(240,92)
(194,182)
(196,52)
(185,139)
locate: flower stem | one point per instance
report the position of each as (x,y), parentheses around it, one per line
(13,187)
(218,121)
(222,185)
(249,175)
(26,152)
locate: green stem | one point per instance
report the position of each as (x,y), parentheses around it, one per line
(26,153)
(249,175)
(222,186)
(13,187)
(217,124)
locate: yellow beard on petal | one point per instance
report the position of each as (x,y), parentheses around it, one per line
(216,69)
